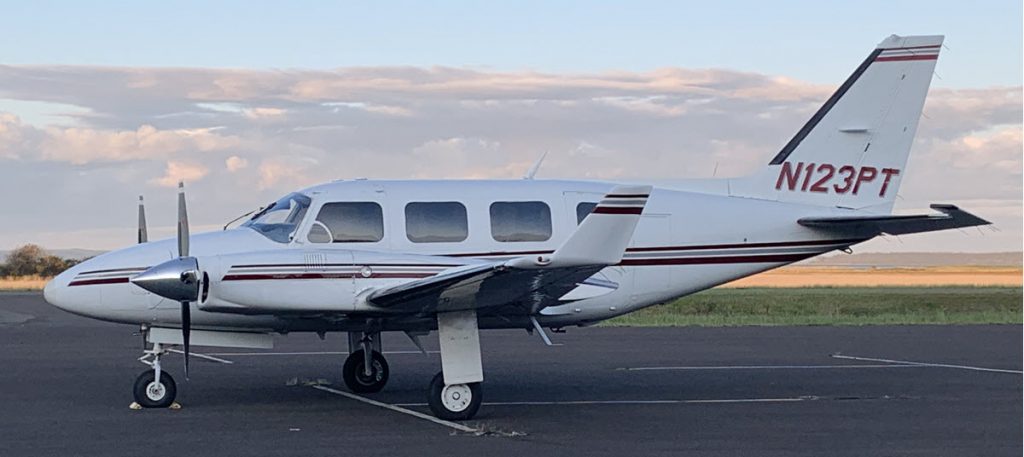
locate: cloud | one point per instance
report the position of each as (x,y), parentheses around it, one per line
(277,173)
(84,145)
(181,171)
(235,163)
(263,133)
(11,136)
(80,145)
(260,113)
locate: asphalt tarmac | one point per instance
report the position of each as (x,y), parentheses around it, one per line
(65,388)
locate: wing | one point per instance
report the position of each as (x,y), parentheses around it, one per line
(951,217)
(532,282)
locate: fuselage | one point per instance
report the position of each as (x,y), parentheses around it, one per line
(388,232)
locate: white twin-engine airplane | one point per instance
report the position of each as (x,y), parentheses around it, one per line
(366,257)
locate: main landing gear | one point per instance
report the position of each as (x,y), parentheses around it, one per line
(454,393)
(365,370)
(453,402)
(154,388)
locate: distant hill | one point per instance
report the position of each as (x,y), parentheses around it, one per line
(77,254)
(918,259)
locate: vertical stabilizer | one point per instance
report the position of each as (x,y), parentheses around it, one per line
(853,151)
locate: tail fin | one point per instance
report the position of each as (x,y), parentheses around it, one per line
(853,151)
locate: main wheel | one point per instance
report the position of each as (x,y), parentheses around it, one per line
(455,402)
(152,394)
(356,378)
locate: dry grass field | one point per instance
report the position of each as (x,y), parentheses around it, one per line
(811,276)
(22,283)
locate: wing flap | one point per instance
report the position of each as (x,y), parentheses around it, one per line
(951,217)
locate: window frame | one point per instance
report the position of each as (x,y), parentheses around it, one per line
(464,222)
(550,225)
(315,220)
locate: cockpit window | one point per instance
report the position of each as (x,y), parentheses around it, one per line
(279,219)
(348,222)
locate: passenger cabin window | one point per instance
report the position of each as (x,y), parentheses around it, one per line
(348,222)
(436,222)
(583,209)
(520,221)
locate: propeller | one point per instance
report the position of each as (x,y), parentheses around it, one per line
(143,236)
(176,279)
(186,318)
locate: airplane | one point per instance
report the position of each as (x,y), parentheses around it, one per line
(459,256)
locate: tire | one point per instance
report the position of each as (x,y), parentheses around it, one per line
(357,381)
(456,408)
(149,395)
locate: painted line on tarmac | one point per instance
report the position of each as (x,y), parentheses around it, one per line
(924,364)
(399,409)
(256,354)
(635,402)
(766,367)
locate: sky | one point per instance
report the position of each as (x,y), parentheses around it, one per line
(103,101)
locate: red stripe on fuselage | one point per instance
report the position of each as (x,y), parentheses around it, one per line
(745,245)
(264,277)
(626,262)
(770,258)
(114,270)
(692,247)
(90,282)
(273,265)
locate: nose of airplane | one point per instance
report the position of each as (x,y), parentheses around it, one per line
(82,300)
(50,293)
(55,289)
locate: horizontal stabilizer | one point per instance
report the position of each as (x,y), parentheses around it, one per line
(871,225)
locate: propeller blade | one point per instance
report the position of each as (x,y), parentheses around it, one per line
(186,329)
(182,222)
(143,236)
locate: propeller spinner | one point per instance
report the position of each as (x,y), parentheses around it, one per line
(176,279)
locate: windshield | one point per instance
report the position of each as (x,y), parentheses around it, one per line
(279,220)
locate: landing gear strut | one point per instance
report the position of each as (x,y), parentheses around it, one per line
(154,388)
(455,393)
(366,370)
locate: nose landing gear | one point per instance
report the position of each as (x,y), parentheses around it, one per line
(154,388)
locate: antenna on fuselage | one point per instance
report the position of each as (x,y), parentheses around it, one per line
(536,166)
(143,236)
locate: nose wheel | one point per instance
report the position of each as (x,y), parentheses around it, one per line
(152,393)
(154,388)
(365,374)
